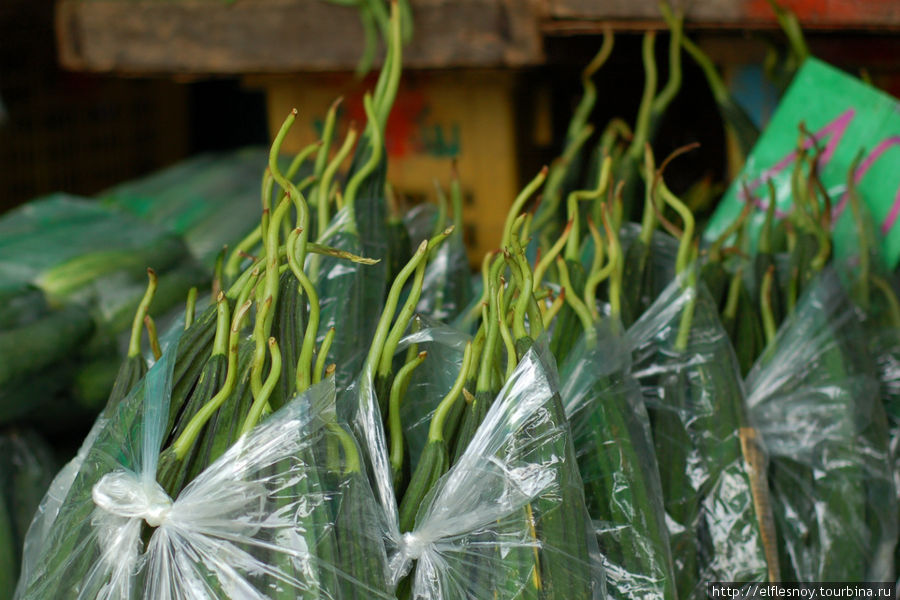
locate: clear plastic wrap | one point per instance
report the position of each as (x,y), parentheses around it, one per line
(613,443)
(52,232)
(283,512)
(27,466)
(431,381)
(814,397)
(447,288)
(344,301)
(689,375)
(508,519)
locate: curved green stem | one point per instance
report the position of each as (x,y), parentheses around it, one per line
(261,400)
(436,428)
(134,343)
(300,158)
(327,135)
(502,315)
(152,337)
(324,186)
(642,126)
(573,245)
(322,355)
(190,307)
(395,426)
(185,441)
(556,174)
(687,315)
(348,443)
(394,67)
(589,96)
(518,203)
(686,242)
(376,143)
(223,322)
(390,306)
(667,94)
(765,303)
(648,221)
(555,307)
(575,303)
(546,260)
(440,223)
(409,307)
(304,362)
(596,273)
(715,249)
(233,264)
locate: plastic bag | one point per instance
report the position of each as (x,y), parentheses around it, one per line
(53,244)
(431,381)
(262,521)
(42,238)
(485,525)
(26,468)
(447,288)
(611,432)
(345,303)
(814,397)
(687,369)
(210,200)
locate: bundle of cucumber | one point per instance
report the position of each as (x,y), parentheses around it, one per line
(305,435)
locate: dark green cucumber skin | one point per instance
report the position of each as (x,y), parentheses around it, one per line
(696,412)
(622,487)
(433,463)
(359,548)
(805,250)
(288,327)
(473,413)
(43,342)
(211,379)
(561,518)
(745,330)
(8,563)
(399,246)
(716,278)
(846,496)
(131,371)
(637,281)
(21,306)
(568,327)
(194,349)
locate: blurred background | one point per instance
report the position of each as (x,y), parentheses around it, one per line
(99,92)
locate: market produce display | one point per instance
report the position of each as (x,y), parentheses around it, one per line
(610,408)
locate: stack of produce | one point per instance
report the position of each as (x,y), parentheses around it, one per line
(349,417)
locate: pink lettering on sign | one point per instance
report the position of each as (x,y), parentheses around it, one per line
(834,131)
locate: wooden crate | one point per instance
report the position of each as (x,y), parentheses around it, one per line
(581,15)
(199,37)
(438,116)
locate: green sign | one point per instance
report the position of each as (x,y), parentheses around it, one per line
(845,116)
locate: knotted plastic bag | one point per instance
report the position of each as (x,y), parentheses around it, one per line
(611,432)
(815,399)
(284,512)
(687,369)
(508,519)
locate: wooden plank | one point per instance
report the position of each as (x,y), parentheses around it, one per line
(576,15)
(279,36)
